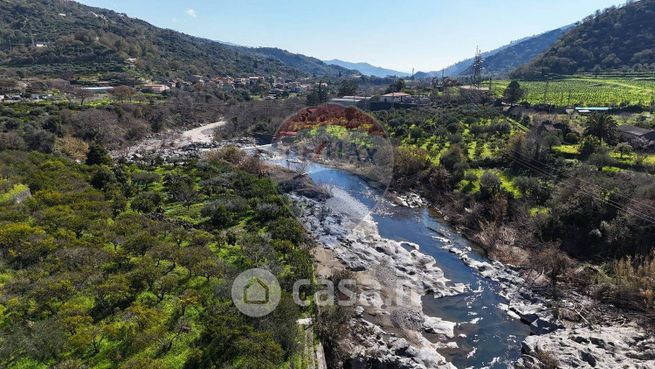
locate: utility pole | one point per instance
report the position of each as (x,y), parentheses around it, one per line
(477,68)
(446,91)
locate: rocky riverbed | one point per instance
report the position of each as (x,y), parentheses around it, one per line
(176,146)
(389,328)
(402,336)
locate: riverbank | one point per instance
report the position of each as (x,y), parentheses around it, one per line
(564,333)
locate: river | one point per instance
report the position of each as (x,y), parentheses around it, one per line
(487,337)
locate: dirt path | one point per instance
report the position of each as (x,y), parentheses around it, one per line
(202,134)
(171,141)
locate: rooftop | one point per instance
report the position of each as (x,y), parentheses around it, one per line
(396,94)
(633,130)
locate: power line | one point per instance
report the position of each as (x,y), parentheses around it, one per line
(584,189)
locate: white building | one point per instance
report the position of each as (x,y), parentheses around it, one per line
(395,97)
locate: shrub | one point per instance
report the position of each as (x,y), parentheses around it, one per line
(635,278)
(146,202)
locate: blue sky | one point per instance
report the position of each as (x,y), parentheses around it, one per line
(421,34)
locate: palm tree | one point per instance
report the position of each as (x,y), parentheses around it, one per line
(601,126)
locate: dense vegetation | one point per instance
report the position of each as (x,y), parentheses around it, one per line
(586,91)
(614,39)
(129,267)
(84,40)
(506,181)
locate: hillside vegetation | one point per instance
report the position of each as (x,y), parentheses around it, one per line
(57,37)
(614,39)
(129,267)
(504,59)
(586,91)
(518,53)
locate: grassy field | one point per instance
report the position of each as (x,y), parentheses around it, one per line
(590,91)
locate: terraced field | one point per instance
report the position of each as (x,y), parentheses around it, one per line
(589,91)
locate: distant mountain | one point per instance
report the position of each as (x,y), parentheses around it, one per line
(58,37)
(367,69)
(301,62)
(504,59)
(615,39)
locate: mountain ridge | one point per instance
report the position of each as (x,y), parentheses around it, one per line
(505,58)
(618,38)
(56,37)
(366,68)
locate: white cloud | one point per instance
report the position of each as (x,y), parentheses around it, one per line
(191,13)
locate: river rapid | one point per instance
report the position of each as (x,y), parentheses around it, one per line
(485,334)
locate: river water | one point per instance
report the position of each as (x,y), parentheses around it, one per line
(487,337)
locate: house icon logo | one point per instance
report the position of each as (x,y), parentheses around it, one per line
(256,292)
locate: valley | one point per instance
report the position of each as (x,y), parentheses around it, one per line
(172,202)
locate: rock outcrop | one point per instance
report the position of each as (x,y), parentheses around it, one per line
(604,347)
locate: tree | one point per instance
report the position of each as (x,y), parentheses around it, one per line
(551,141)
(181,188)
(513,93)
(102,178)
(145,179)
(623,149)
(97,155)
(82,94)
(348,88)
(123,92)
(602,126)
(318,94)
(397,86)
(490,185)
(146,202)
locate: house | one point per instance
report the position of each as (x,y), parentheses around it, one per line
(395,97)
(196,78)
(156,88)
(586,110)
(255,80)
(350,100)
(224,80)
(99,89)
(636,135)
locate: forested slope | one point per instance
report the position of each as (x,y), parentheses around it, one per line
(53,37)
(615,39)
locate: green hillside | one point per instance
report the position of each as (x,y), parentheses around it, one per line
(615,39)
(130,267)
(518,53)
(55,37)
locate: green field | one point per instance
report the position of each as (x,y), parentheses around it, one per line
(586,91)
